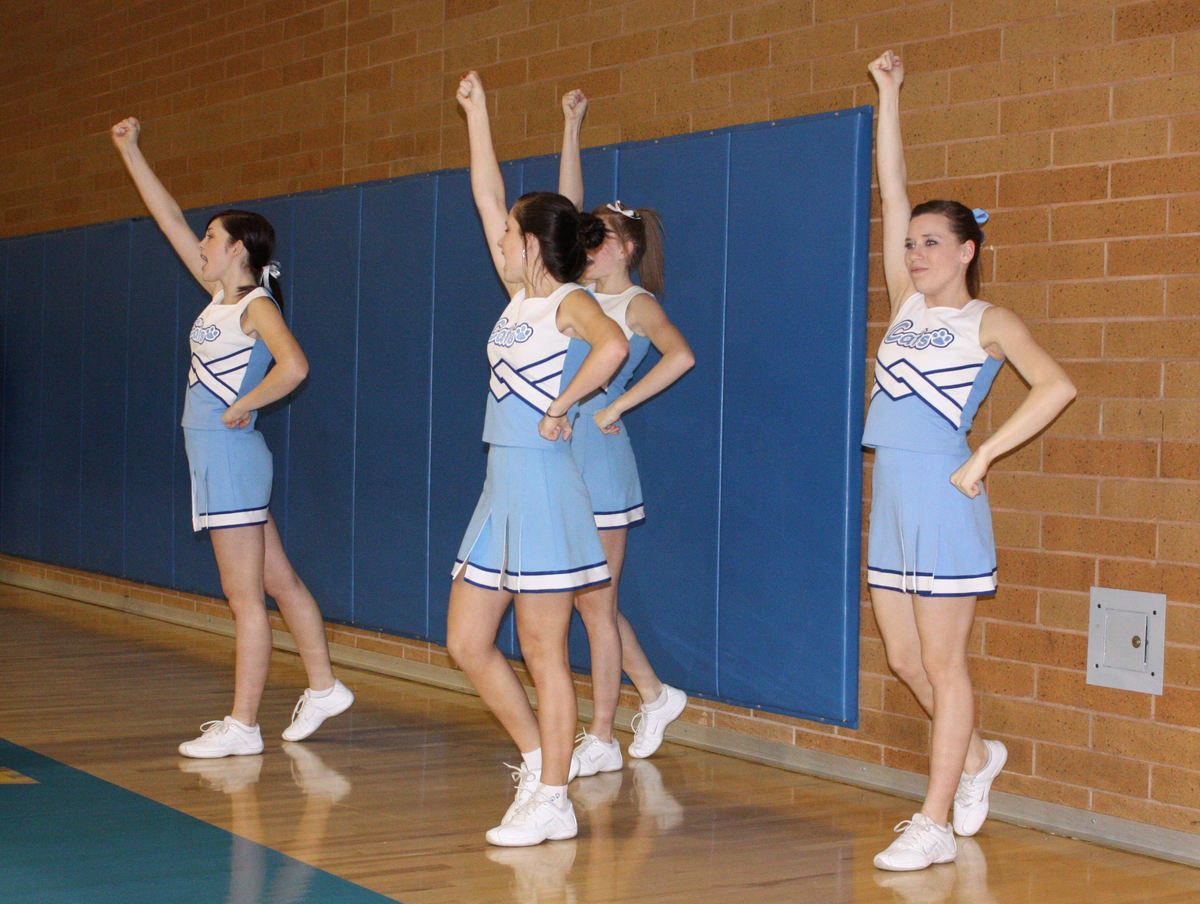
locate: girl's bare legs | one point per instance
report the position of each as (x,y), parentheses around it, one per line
(471,625)
(239,552)
(635,663)
(598,608)
(542,623)
(926,643)
(944,625)
(613,642)
(298,608)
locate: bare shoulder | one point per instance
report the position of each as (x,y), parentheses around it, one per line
(997,317)
(262,313)
(644,313)
(1001,330)
(579,296)
(264,305)
(644,299)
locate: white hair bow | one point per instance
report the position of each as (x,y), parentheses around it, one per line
(270,270)
(618,207)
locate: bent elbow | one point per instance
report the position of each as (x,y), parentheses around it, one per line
(298,372)
(617,350)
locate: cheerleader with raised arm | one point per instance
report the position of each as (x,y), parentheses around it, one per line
(601,445)
(930,551)
(531,539)
(233,342)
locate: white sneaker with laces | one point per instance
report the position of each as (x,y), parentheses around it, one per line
(971,798)
(595,755)
(922,842)
(224,737)
(312,710)
(526,781)
(649,724)
(543,817)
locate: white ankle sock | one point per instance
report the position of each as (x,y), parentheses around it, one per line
(556,794)
(659,703)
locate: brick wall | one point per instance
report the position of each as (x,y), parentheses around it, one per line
(1074,121)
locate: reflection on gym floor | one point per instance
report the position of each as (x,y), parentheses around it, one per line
(390,801)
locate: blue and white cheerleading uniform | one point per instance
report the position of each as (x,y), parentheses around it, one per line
(931,374)
(532,530)
(606,460)
(231,469)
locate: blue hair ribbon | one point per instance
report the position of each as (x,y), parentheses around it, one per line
(981,217)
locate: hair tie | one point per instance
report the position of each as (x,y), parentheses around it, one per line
(618,207)
(981,217)
(270,270)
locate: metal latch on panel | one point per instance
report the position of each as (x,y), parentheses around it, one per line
(1126,634)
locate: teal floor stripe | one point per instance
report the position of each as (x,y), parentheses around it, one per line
(73,838)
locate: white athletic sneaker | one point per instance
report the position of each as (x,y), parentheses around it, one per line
(526,781)
(971,798)
(541,818)
(652,720)
(596,756)
(312,710)
(922,843)
(224,737)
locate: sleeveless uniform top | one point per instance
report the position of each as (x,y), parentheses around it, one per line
(931,374)
(617,307)
(225,362)
(529,362)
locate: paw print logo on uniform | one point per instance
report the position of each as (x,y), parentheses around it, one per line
(201,333)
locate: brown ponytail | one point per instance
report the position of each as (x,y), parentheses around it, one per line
(645,233)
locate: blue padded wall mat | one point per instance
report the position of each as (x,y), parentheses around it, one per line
(62,390)
(154,444)
(104,414)
(21,515)
(392,422)
(669,590)
(744,582)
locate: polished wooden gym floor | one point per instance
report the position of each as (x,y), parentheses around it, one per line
(390,801)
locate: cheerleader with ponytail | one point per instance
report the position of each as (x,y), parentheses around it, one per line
(632,242)
(531,540)
(233,342)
